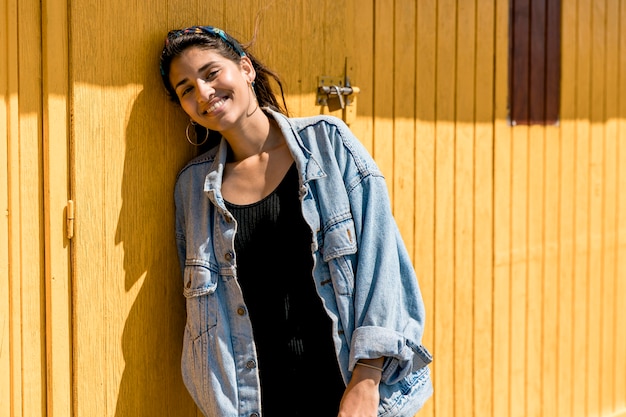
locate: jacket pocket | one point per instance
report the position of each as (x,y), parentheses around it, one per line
(339,251)
(200,284)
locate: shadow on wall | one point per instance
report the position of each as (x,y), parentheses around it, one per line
(151,384)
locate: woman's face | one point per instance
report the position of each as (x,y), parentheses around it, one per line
(213,90)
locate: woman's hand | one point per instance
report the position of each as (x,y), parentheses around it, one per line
(361,397)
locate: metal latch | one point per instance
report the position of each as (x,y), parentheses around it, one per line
(338,94)
(330,88)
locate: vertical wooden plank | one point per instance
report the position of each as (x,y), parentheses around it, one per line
(8,125)
(520,56)
(609,309)
(551,212)
(311,38)
(383,95)
(464,188)
(502,275)
(567,139)
(519,269)
(537,62)
(620,268)
(595,279)
(566,253)
(90,309)
(404,120)
(519,60)
(89,312)
(334,54)
(426,51)
(552,208)
(596,190)
(444,207)
(26,214)
(483,364)
(56,195)
(502,219)
(580,355)
(7,111)
(553,61)
(581,234)
(359,27)
(536,258)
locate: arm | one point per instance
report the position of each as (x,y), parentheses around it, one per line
(388,305)
(361,396)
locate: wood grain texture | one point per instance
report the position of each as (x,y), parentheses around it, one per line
(56,192)
(444,208)
(483,197)
(464,214)
(403,152)
(503,159)
(425,146)
(8,113)
(518,233)
(25,347)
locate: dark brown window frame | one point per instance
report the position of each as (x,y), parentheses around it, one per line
(535,62)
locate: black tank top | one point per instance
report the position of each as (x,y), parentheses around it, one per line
(292,331)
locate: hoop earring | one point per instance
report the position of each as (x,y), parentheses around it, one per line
(206,137)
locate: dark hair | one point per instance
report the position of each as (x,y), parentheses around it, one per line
(211,38)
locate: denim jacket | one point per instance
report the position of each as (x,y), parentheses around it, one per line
(362,272)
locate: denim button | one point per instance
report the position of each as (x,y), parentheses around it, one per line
(251,364)
(228,256)
(241,311)
(254,415)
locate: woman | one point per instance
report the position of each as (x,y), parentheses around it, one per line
(301,297)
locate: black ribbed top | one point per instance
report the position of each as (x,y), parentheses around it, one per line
(292,331)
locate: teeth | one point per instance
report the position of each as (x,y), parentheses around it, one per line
(216,106)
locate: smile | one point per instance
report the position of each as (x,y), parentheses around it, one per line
(216,106)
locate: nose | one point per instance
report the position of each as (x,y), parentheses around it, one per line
(204,91)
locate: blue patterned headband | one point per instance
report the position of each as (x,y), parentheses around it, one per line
(209,30)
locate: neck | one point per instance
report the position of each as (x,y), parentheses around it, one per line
(258,135)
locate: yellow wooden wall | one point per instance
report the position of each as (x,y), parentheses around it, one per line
(518,233)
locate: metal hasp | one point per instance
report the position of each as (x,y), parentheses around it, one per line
(337,93)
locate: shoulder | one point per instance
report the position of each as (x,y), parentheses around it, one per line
(321,122)
(324,135)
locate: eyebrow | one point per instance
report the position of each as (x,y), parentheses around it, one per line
(201,69)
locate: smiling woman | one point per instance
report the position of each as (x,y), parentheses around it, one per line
(286,275)
(205,81)
(230,51)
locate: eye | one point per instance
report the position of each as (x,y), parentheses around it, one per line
(182,92)
(212,74)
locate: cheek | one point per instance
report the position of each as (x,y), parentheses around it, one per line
(187,105)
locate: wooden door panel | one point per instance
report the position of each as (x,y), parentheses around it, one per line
(128,145)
